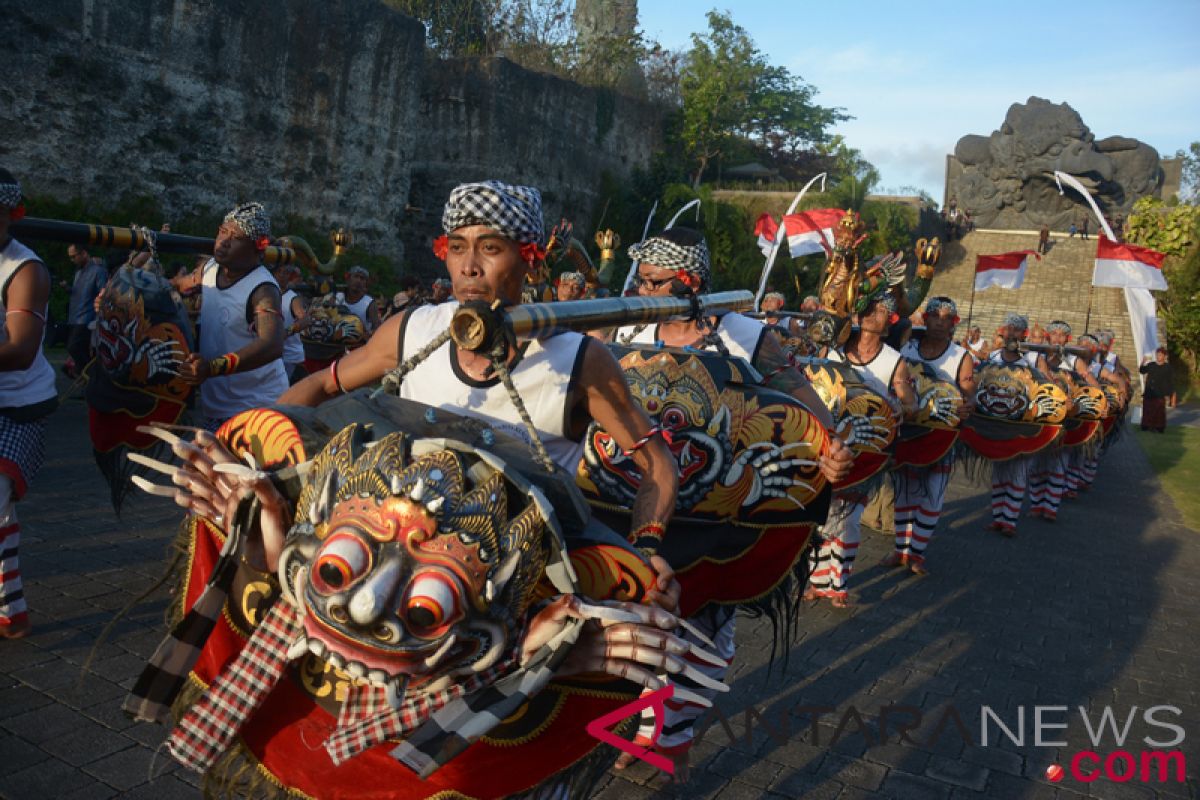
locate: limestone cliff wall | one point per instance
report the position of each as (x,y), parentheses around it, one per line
(331,110)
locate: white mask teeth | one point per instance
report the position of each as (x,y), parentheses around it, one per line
(298,648)
(335,660)
(316,647)
(377,677)
(356,670)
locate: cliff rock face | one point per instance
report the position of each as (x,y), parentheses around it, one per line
(330,110)
(1007,178)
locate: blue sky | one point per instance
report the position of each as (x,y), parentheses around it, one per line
(917,76)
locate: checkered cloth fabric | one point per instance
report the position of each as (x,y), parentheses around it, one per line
(573,277)
(251,219)
(205,732)
(10,195)
(1017,320)
(936,304)
(457,725)
(159,684)
(1058,326)
(1106,336)
(514,211)
(22,450)
(358,270)
(366,719)
(665,254)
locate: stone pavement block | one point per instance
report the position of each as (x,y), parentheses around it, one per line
(43,724)
(903,786)
(85,744)
(93,791)
(853,771)
(127,768)
(16,700)
(995,758)
(756,772)
(896,756)
(801,783)
(16,751)
(168,787)
(957,772)
(736,790)
(621,789)
(51,778)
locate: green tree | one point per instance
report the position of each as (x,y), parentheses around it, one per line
(1189,191)
(1174,230)
(729,93)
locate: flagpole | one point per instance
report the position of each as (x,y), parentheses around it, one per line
(780,235)
(1087,320)
(971,307)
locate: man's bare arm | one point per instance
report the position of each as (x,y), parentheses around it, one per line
(361,367)
(902,386)
(267,307)
(966,385)
(772,361)
(609,402)
(25,322)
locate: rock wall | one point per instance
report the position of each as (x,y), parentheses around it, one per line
(1006,180)
(333,110)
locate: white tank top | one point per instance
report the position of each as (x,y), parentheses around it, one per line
(224,329)
(876,373)
(946,365)
(359,310)
(741,335)
(293,348)
(997,357)
(1109,364)
(22,387)
(543,377)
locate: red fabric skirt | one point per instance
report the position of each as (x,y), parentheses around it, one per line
(1154,413)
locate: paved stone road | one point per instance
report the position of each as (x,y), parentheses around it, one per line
(1097,610)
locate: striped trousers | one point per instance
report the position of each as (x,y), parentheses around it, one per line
(718,623)
(833,559)
(12,595)
(1047,486)
(1008,494)
(919,497)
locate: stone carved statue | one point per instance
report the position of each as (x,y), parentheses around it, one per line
(1007,178)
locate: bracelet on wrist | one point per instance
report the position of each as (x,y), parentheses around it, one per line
(223,365)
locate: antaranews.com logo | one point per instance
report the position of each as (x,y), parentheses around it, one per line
(1115,755)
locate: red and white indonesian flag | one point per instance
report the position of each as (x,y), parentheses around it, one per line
(1127,266)
(1006,270)
(765,229)
(805,230)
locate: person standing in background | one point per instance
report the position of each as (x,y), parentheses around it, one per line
(1159,392)
(89,280)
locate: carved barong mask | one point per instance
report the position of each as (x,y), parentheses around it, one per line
(408,562)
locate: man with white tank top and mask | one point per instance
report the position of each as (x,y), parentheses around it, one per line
(921,491)
(676,262)
(27,394)
(295,319)
(361,304)
(1009,480)
(239,365)
(880,367)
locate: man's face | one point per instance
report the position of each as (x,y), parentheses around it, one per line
(484,265)
(233,246)
(440,292)
(809,305)
(1160,357)
(875,320)
(772,304)
(1058,338)
(569,290)
(1013,333)
(654,281)
(939,323)
(356,282)
(78,256)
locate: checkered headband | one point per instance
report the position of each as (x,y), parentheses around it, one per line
(666,254)
(10,194)
(1058,326)
(1105,336)
(1088,338)
(935,304)
(357,270)
(774,296)
(572,277)
(514,211)
(1017,321)
(251,219)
